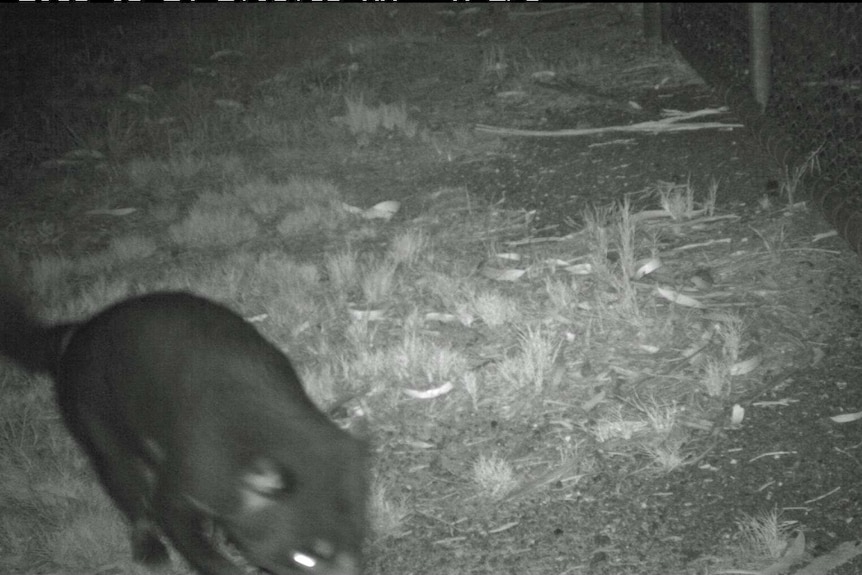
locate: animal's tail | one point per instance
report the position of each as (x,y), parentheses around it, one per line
(24,339)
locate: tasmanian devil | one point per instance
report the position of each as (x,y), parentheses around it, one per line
(193,421)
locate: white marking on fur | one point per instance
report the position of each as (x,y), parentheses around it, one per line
(259,484)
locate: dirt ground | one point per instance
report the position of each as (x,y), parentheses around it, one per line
(788,454)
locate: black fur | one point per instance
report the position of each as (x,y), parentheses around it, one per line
(191,418)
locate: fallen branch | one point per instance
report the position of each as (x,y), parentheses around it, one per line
(673,123)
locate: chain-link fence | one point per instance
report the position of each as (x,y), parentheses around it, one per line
(813,117)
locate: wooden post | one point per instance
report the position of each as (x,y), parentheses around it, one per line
(652,23)
(760,52)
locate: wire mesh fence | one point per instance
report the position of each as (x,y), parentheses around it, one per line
(813,116)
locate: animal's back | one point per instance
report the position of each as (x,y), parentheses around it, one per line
(120,360)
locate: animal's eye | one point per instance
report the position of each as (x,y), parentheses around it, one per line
(263,484)
(289,482)
(268,479)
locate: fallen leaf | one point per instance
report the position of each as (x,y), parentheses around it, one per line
(117,212)
(508,275)
(679,298)
(746,366)
(430,393)
(737,414)
(367,315)
(441,317)
(847,417)
(382,211)
(580,269)
(647,267)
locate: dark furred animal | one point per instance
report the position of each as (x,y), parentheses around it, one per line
(192,419)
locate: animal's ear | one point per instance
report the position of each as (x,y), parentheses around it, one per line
(357,426)
(263,481)
(351,418)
